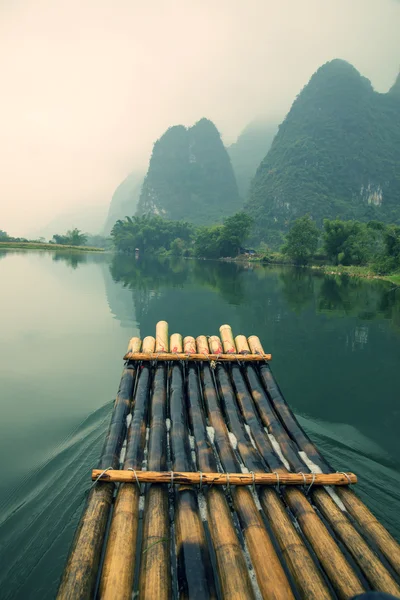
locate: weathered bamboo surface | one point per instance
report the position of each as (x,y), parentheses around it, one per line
(191,356)
(189,478)
(212,489)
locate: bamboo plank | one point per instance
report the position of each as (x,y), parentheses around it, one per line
(214,355)
(189,345)
(340,573)
(80,573)
(162,336)
(120,556)
(227,339)
(231,564)
(202,345)
(357,509)
(155,572)
(195,575)
(175,343)
(190,478)
(270,575)
(134,345)
(149,343)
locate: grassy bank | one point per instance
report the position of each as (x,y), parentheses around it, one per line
(366,272)
(44,246)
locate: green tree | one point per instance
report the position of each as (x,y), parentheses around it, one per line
(302,240)
(76,237)
(3,236)
(236,230)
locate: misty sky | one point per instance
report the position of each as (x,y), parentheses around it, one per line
(88,85)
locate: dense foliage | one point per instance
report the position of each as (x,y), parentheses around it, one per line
(73,237)
(346,243)
(149,233)
(336,155)
(302,240)
(249,150)
(190,177)
(153,234)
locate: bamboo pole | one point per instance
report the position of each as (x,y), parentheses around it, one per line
(339,571)
(155,572)
(189,345)
(195,575)
(134,345)
(215,347)
(162,336)
(120,556)
(241,344)
(216,355)
(202,345)
(149,343)
(304,571)
(367,561)
(357,509)
(190,478)
(231,564)
(80,573)
(175,343)
(255,345)
(227,339)
(270,575)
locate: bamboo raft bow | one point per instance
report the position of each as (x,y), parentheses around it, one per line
(207,487)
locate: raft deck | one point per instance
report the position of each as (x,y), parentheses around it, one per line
(207,487)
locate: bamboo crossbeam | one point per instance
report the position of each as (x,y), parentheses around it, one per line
(197,357)
(190,478)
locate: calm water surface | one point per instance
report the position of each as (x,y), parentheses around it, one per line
(65,320)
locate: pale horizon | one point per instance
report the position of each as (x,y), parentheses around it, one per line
(88,87)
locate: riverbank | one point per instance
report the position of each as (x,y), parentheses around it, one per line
(45,246)
(351,271)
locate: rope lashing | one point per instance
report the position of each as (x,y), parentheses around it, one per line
(136,477)
(254,482)
(277,480)
(201,481)
(100,476)
(311,484)
(345,474)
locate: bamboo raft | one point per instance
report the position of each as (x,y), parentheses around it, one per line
(207,487)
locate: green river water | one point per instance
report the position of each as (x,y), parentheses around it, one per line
(65,321)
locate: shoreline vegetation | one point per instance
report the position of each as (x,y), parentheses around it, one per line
(46,246)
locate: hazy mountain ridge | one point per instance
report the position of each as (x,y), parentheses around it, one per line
(124,200)
(336,154)
(190,176)
(249,150)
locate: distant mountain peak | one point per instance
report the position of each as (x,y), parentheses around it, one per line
(335,155)
(190,176)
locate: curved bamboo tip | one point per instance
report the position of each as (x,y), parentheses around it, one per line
(175,343)
(189,345)
(134,345)
(255,344)
(215,344)
(242,347)
(202,345)
(149,344)
(162,336)
(228,343)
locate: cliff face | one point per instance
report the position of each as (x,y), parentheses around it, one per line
(190,176)
(124,201)
(336,154)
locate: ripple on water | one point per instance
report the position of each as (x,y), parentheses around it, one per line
(39,517)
